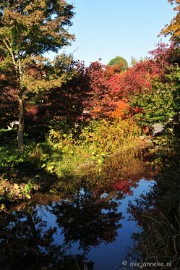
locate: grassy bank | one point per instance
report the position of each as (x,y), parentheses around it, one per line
(62,156)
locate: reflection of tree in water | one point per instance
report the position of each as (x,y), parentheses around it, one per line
(119,172)
(126,165)
(88,220)
(27,243)
(158,212)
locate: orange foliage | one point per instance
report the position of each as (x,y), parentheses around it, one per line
(96,111)
(121,109)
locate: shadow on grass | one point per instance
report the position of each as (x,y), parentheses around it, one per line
(21,175)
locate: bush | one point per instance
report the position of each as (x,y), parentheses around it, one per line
(100,139)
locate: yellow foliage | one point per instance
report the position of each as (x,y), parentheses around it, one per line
(174,26)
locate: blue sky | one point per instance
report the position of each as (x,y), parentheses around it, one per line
(108,28)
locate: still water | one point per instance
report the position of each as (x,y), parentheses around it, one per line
(84,231)
(88,227)
(108,250)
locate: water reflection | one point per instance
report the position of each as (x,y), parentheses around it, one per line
(88,219)
(158,212)
(27,242)
(88,229)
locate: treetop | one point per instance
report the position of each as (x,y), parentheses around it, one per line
(35,27)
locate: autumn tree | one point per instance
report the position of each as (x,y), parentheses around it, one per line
(98,89)
(67,103)
(118,60)
(28,29)
(116,65)
(138,79)
(161,103)
(173,28)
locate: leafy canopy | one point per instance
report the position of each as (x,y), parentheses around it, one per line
(162,103)
(35,27)
(173,28)
(28,29)
(118,63)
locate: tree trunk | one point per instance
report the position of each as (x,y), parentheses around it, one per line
(20,134)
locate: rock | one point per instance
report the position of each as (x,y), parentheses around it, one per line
(157,128)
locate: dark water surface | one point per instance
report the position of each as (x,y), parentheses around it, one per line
(82,232)
(89,227)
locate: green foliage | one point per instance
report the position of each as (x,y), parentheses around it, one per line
(135,61)
(162,103)
(92,147)
(119,62)
(157,106)
(27,31)
(34,27)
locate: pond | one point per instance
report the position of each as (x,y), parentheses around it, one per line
(102,231)
(90,227)
(81,232)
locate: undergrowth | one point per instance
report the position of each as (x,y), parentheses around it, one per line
(96,142)
(63,156)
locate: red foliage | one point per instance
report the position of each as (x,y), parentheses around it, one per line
(135,80)
(124,186)
(94,91)
(99,100)
(32,112)
(138,79)
(108,88)
(111,70)
(162,56)
(8,105)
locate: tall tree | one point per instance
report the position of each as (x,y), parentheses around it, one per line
(28,29)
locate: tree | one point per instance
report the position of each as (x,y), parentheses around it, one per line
(28,29)
(117,64)
(173,28)
(98,100)
(162,103)
(118,61)
(67,102)
(138,78)
(135,80)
